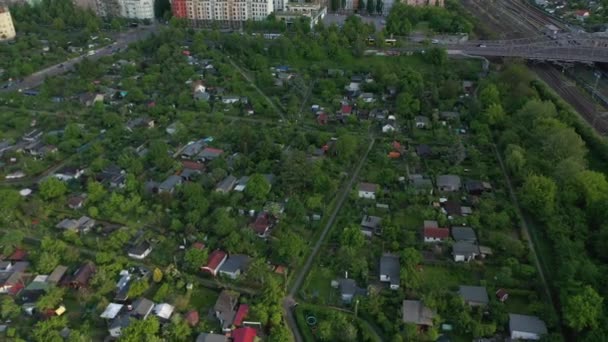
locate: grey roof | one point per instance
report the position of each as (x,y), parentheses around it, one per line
(348,287)
(414,311)
(389,265)
(525,323)
(193,149)
(205,337)
(170,182)
(422,119)
(142,307)
(140,248)
(476,294)
(225,307)
(368,187)
(465,248)
(448,181)
(226,184)
(57,274)
(209,153)
(234,263)
(372,222)
(431,224)
(449,115)
(201,95)
(420,181)
(121,321)
(464,234)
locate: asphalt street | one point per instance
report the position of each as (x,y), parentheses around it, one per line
(122,41)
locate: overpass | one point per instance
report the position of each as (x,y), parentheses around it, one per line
(584,48)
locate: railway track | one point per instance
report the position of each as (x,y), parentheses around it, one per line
(523,20)
(569,92)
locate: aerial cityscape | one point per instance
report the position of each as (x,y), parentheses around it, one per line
(325,170)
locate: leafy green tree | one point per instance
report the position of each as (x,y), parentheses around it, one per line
(8,308)
(290,247)
(410,258)
(157,275)
(48,330)
(437,56)
(141,330)
(52,188)
(47,261)
(538,194)
(593,186)
(352,237)
(159,155)
(371,6)
(489,95)
(258,187)
(95,191)
(10,241)
(379,6)
(515,159)
(346,147)
(179,330)
(51,299)
(195,258)
(138,288)
(407,105)
(494,114)
(583,310)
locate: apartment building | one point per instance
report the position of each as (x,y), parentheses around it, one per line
(294,10)
(137,9)
(439,3)
(7,29)
(222,10)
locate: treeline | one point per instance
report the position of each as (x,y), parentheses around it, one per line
(57,14)
(403,18)
(563,189)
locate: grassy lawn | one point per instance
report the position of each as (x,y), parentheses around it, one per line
(318,284)
(446,277)
(202,298)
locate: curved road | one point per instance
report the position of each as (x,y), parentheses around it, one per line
(122,41)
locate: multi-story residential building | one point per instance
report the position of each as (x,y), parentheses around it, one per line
(279,5)
(294,10)
(222,10)
(137,9)
(424,2)
(7,29)
(86,4)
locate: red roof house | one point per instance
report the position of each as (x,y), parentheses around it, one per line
(188,164)
(262,223)
(241,313)
(12,284)
(18,255)
(347,110)
(245,334)
(198,245)
(322,118)
(192,318)
(215,261)
(432,234)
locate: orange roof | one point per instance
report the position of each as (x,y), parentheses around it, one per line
(394,155)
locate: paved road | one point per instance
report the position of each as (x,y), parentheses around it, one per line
(122,41)
(289,301)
